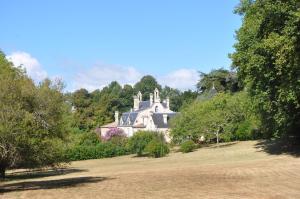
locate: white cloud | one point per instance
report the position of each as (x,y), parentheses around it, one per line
(31,64)
(182,79)
(101,75)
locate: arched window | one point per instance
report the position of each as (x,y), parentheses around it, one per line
(156,109)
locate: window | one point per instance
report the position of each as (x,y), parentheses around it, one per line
(156,109)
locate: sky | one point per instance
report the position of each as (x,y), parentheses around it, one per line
(89,43)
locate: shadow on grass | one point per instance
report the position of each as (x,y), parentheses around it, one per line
(144,155)
(50,184)
(19,175)
(221,145)
(278,147)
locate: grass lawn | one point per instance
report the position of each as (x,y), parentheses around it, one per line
(234,170)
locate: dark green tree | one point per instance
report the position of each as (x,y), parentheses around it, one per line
(146,85)
(223,80)
(126,97)
(267,60)
(31,120)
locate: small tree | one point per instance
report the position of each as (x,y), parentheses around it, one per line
(138,142)
(187,146)
(157,148)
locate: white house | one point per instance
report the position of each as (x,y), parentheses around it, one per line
(152,115)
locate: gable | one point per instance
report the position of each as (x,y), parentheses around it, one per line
(158,119)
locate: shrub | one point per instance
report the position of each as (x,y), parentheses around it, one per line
(88,139)
(88,146)
(102,150)
(113,132)
(157,148)
(187,146)
(119,141)
(138,142)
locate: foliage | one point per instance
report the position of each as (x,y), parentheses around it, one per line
(113,132)
(97,108)
(157,148)
(101,150)
(138,142)
(221,79)
(88,139)
(225,114)
(177,98)
(187,146)
(146,86)
(267,60)
(87,145)
(31,120)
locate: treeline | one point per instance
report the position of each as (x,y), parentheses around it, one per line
(262,100)
(93,109)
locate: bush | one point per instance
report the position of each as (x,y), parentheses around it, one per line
(157,148)
(138,142)
(119,141)
(88,145)
(102,150)
(113,132)
(187,146)
(88,139)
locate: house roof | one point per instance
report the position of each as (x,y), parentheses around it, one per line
(144,105)
(158,119)
(128,118)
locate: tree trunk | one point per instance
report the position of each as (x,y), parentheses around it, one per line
(2,172)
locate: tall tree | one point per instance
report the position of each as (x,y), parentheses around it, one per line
(126,97)
(175,97)
(146,85)
(31,123)
(267,60)
(221,79)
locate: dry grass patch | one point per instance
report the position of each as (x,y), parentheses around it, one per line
(235,170)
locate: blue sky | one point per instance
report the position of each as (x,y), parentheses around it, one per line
(90,43)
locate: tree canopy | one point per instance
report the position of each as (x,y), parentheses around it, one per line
(267,60)
(223,80)
(146,86)
(230,115)
(31,120)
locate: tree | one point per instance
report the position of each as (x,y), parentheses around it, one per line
(146,85)
(31,123)
(231,117)
(126,97)
(223,81)
(267,60)
(177,97)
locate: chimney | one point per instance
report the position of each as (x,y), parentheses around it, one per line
(156,96)
(168,102)
(117,117)
(140,96)
(151,99)
(165,116)
(136,103)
